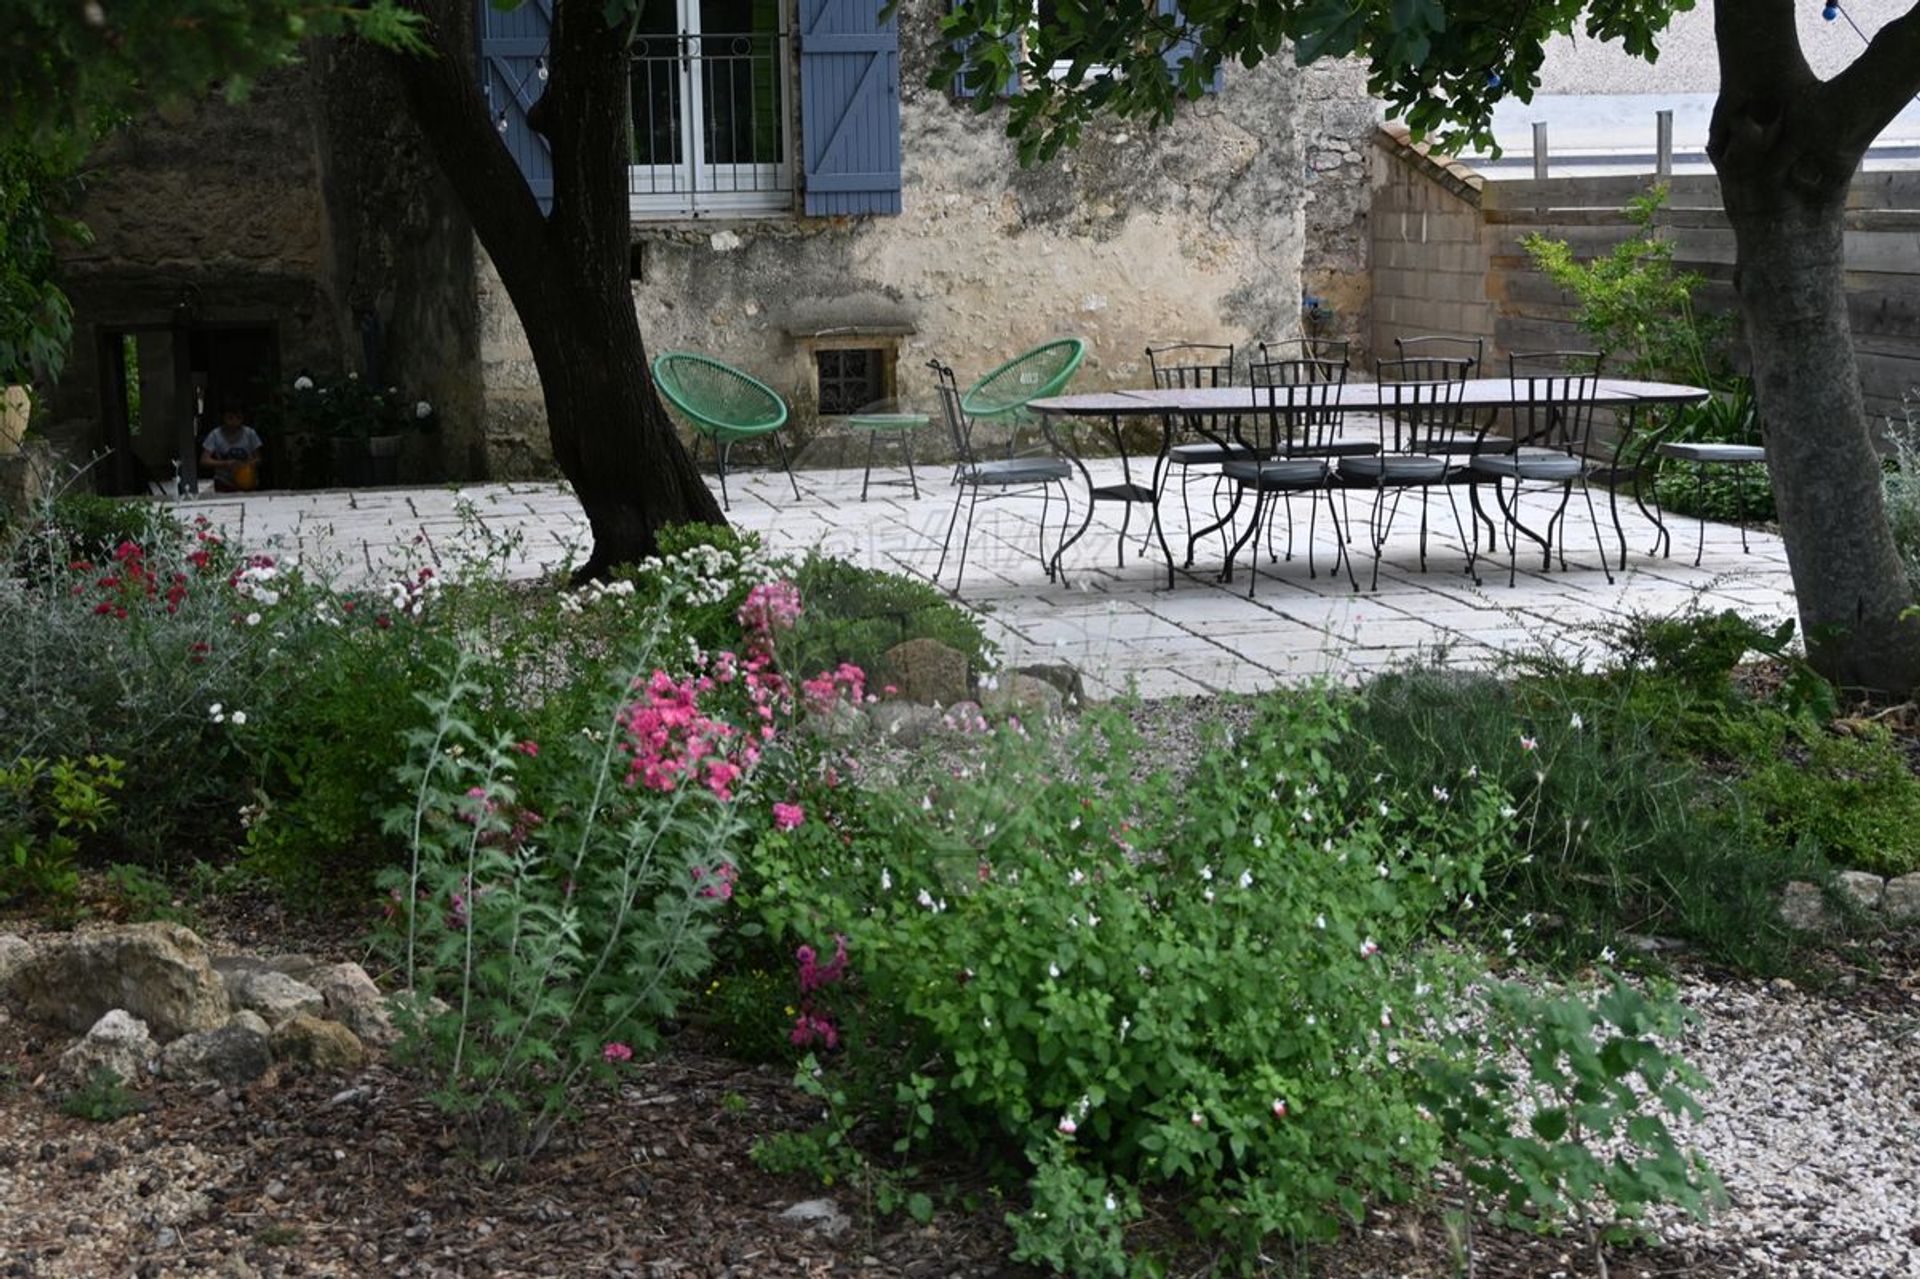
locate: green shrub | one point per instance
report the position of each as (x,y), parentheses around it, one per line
(103,1098)
(46,807)
(1851,796)
(855,614)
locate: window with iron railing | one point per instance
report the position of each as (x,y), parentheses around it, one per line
(712,110)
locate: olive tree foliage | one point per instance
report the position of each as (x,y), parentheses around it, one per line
(1784,142)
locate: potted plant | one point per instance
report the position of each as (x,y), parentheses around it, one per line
(363,426)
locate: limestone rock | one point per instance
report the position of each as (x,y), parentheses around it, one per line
(1860,888)
(247,1019)
(1023,696)
(355,1002)
(233,1054)
(1902,900)
(925,671)
(269,992)
(117,1042)
(1804,907)
(902,723)
(306,1040)
(14,953)
(837,721)
(156,972)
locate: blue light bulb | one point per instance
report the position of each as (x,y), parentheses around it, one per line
(1493,79)
(1831,12)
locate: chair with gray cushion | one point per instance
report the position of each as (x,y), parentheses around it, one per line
(976,477)
(1550,447)
(1414,413)
(1702,455)
(1187,366)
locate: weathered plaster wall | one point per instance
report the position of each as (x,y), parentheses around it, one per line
(1194,232)
(1337,123)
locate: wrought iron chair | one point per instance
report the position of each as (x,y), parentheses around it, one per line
(1441,429)
(1191,366)
(1295,410)
(1441,346)
(725,405)
(1322,423)
(1414,413)
(996,477)
(1306,349)
(1553,419)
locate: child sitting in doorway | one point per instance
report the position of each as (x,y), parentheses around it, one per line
(231,453)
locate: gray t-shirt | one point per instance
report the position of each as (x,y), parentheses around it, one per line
(237,447)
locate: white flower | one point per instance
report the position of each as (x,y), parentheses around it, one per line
(1093,920)
(215,709)
(886,881)
(239,717)
(1111,1204)
(925,899)
(1576,722)
(1126,1024)
(303,383)
(422,410)
(1246,879)
(1369,948)
(1383,808)
(1209,896)
(1077,877)
(1144,971)
(1606,955)
(253,619)
(1382,868)
(1053,970)
(1508,812)
(1386,1015)
(1319,921)
(1441,793)
(1528,743)
(1197,1119)
(1206,873)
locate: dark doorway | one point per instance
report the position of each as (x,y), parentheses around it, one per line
(161,385)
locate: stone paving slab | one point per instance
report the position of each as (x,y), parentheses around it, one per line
(1120,624)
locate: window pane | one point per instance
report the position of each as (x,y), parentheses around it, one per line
(739,52)
(656,86)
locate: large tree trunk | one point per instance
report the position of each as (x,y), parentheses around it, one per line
(567,271)
(1786,146)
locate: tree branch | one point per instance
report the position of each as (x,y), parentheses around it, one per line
(1880,82)
(1764,78)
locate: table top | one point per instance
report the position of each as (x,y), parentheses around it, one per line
(1477,393)
(883,421)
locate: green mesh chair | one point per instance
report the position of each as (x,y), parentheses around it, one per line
(725,405)
(1003,394)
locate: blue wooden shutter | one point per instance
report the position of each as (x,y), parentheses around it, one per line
(513,64)
(850,106)
(1184,49)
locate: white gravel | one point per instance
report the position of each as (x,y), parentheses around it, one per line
(1813,1123)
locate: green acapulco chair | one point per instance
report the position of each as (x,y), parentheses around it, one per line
(1003,394)
(725,405)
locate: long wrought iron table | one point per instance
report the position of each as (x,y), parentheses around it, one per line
(1172,405)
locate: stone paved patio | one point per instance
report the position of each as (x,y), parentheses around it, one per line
(1117,624)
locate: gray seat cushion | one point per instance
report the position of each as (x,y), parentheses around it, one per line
(1206,454)
(1338,448)
(1688,451)
(1530,466)
(1395,468)
(1286,473)
(1016,470)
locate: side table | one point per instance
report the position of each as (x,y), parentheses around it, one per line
(901,427)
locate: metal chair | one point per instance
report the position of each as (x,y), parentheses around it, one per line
(998,477)
(1304,348)
(1190,366)
(1003,393)
(1702,454)
(1553,419)
(1324,423)
(725,405)
(1412,410)
(1441,346)
(1443,426)
(1296,407)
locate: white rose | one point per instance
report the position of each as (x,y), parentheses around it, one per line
(303,383)
(422,410)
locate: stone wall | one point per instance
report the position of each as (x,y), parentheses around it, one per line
(1193,232)
(304,210)
(1429,261)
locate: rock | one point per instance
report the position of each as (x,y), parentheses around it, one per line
(157,972)
(355,1002)
(306,1040)
(117,1042)
(1062,676)
(1022,696)
(837,721)
(1804,907)
(1860,888)
(247,1019)
(925,671)
(902,723)
(14,953)
(269,992)
(229,1055)
(1902,900)
(820,1215)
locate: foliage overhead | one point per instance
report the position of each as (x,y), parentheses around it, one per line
(63,63)
(1439,67)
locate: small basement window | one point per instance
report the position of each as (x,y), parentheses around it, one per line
(853,378)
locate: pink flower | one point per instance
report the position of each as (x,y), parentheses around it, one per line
(787,816)
(1279,1108)
(616,1052)
(1066,1126)
(528,748)
(1369,948)
(1528,743)
(807,1028)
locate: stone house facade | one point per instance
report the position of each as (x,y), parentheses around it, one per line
(311,215)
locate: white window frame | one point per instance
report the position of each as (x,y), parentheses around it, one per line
(694,187)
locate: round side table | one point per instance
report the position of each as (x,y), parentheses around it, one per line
(901,427)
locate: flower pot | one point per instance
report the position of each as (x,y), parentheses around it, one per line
(16,406)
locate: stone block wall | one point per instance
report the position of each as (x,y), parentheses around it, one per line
(1430,261)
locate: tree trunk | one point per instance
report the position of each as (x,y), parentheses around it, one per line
(1786,145)
(566,271)
(1847,575)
